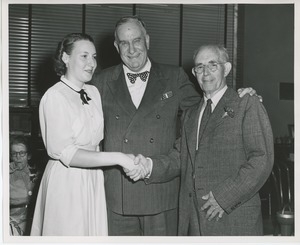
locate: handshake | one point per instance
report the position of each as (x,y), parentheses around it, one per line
(139,167)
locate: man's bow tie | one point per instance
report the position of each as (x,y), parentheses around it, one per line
(132,76)
(84,97)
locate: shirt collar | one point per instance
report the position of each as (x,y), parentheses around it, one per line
(215,99)
(70,84)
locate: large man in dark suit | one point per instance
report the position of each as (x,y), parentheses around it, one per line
(224,156)
(140,117)
(140,101)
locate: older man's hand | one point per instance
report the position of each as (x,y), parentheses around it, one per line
(212,207)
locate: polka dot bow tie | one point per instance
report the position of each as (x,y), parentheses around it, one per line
(132,76)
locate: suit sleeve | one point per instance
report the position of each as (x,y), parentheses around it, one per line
(189,96)
(258,146)
(166,167)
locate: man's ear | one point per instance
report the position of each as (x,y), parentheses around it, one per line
(193,72)
(227,68)
(147,41)
(116,46)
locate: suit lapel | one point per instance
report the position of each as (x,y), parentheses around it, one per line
(191,129)
(152,95)
(216,117)
(120,91)
(154,91)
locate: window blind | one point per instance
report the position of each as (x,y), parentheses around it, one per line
(230,42)
(100,24)
(240,45)
(175,32)
(50,23)
(18,54)
(204,24)
(163,26)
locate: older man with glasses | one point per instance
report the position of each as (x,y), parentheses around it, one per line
(224,156)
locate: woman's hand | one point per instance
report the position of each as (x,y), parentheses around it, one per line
(126,161)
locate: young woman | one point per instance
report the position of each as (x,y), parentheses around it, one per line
(71,199)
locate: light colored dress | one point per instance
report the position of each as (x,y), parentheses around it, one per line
(71,201)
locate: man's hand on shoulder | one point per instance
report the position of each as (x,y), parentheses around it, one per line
(250,91)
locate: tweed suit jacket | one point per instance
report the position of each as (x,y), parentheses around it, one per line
(148,130)
(234,159)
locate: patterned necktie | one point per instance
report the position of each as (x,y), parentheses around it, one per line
(83,96)
(205,116)
(132,76)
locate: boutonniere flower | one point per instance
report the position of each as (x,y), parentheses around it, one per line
(228,112)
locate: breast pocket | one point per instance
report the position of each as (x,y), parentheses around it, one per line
(227,132)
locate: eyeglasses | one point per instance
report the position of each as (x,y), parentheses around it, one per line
(212,66)
(20,153)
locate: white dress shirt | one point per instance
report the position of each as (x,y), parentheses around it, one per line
(138,88)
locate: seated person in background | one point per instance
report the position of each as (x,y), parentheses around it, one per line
(23,181)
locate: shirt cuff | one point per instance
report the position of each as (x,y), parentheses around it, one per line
(67,154)
(151,166)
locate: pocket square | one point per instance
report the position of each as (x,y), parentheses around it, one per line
(167,95)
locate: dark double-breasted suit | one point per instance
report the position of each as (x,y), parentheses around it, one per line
(234,159)
(149,130)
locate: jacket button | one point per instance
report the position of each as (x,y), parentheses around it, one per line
(190,194)
(125,140)
(158,116)
(117,117)
(151,140)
